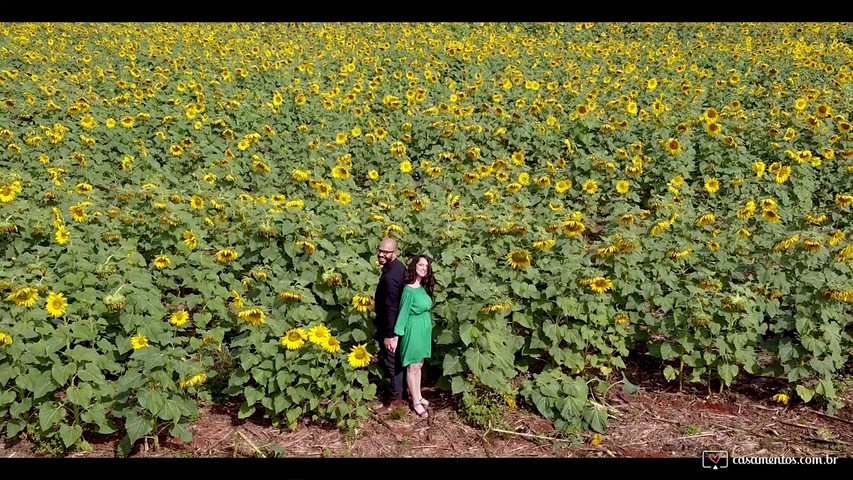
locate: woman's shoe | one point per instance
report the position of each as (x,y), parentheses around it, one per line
(422,412)
(424,402)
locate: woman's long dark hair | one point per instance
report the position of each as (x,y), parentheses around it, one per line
(428,281)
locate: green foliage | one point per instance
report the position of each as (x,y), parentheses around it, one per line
(258,167)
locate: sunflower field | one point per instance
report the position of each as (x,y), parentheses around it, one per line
(190,212)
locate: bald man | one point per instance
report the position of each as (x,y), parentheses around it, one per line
(387,300)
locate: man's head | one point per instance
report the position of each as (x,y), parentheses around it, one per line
(387,251)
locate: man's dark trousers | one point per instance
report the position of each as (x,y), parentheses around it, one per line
(394,370)
(387,300)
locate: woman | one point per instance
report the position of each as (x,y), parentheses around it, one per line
(414,327)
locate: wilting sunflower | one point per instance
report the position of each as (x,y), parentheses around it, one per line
(179,318)
(600,284)
(706,219)
(363,303)
(193,381)
(519,259)
(621,318)
(5,339)
(162,261)
(26,296)
(226,255)
(254,316)
(359,356)
(56,304)
(138,341)
(294,339)
(845,254)
(544,245)
(812,245)
(844,200)
(306,246)
(236,299)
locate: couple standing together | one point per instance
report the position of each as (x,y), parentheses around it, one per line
(403,325)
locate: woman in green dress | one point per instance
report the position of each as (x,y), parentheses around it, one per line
(414,327)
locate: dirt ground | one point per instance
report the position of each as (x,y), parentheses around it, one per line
(658,421)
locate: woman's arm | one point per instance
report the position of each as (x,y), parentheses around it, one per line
(403,316)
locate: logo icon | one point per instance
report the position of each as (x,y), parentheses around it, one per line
(715,459)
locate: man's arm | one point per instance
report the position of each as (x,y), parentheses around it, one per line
(393,290)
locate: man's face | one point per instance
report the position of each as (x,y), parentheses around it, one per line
(385,254)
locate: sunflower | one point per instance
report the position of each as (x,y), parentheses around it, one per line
(812,245)
(254,316)
(673,146)
(318,334)
(713,246)
(590,186)
(78,213)
(359,356)
(340,173)
(519,259)
(331,344)
(513,187)
(197,202)
(573,228)
(787,244)
(190,239)
(162,261)
(226,255)
(138,341)
(713,128)
(179,318)
(193,381)
(845,254)
(622,186)
(621,318)
(844,200)
(62,236)
(343,198)
(56,304)
(127,121)
(5,339)
(712,185)
(600,284)
(290,296)
(758,168)
(363,303)
(306,246)
(836,238)
(783,174)
(294,339)
(706,219)
(544,245)
(771,216)
(25,296)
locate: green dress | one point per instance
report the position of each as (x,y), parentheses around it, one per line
(414,325)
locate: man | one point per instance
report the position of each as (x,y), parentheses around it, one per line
(387,302)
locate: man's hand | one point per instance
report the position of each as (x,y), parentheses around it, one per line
(391,344)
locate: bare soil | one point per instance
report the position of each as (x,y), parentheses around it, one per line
(658,421)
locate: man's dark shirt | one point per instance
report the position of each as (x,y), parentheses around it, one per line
(387,298)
